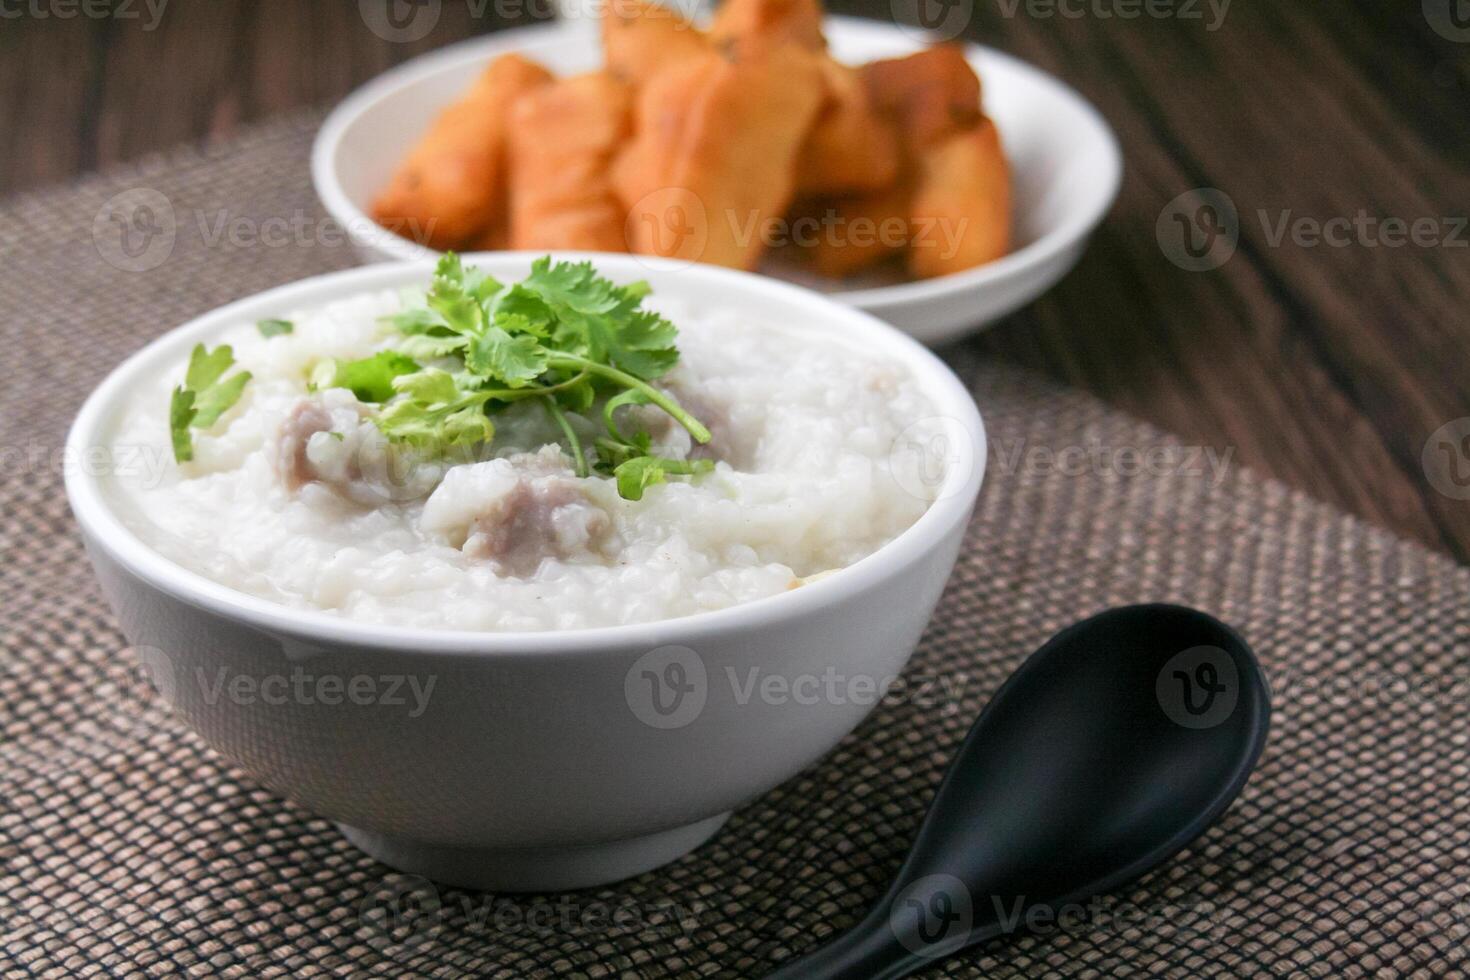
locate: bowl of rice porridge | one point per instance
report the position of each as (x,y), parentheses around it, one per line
(526,570)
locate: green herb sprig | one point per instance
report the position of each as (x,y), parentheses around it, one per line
(204,396)
(564,335)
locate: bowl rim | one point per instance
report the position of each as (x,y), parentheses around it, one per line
(105,530)
(1027,259)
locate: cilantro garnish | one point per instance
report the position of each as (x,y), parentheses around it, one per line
(564,335)
(203,397)
(369,378)
(274,328)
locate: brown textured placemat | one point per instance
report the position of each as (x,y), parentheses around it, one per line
(127,848)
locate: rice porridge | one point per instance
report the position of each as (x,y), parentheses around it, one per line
(320,486)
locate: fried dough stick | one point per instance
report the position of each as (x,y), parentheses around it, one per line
(931,94)
(451,187)
(858,231)
(771,22)
(852,147)
(641,38)
(714,157)
(961,212)
(562,140)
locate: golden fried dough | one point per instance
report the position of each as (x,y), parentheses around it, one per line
(641,38)
(961,212)
(931,95)
(851,147)
(854,232)
(496,238)
(713,158)
(562,140)
(452,185)
(769,23)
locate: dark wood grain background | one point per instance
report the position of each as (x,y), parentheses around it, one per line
(1327,364)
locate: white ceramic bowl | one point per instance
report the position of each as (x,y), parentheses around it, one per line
(1065,161)
(540,760)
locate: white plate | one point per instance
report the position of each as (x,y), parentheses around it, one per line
(1064,158)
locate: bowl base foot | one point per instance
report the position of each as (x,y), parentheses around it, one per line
(534,869)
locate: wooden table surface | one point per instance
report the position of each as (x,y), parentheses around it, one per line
(1327,350)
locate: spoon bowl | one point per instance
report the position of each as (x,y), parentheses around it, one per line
(1112,748)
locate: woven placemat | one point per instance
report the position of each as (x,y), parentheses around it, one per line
(128,848)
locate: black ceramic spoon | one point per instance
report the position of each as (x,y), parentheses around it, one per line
(1109,750)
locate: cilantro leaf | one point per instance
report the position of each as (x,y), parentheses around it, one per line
(430,346)
(452,299)
(432,385)
(498,356)
(417,320)
(536,315)
(205,367)
(644,345)
(641,472)
(369,378)
(572,286)
(215,400)
(203,397)
(434,413)
(180,415)
(274,328)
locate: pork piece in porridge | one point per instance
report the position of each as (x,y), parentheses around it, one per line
(518,511)
(328,438)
